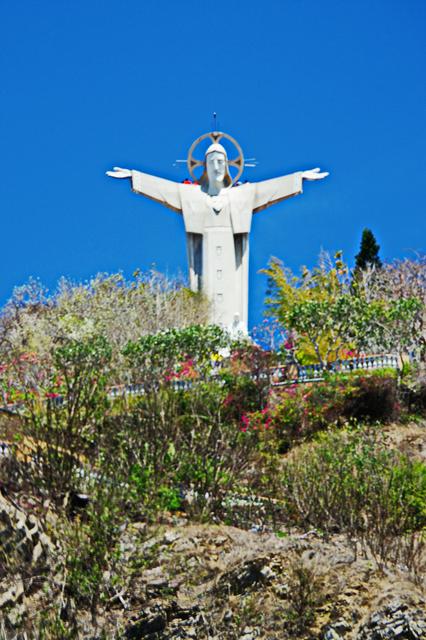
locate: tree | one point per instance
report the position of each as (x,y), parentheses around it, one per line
(328,316)
(402,283)
(368,252)
(314,308)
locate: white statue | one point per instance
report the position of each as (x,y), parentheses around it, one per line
(217,217)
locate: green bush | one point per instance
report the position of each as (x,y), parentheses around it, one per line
(352,482)
(179,443)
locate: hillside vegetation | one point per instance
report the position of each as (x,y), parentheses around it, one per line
(157,482)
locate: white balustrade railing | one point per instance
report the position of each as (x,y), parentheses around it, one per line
(295,373)
(279,376)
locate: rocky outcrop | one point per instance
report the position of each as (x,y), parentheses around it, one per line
(171,620)
(210,582)
(397,620)
(25,554)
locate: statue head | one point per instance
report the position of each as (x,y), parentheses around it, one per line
(216,167)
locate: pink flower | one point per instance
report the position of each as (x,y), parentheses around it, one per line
(268,423)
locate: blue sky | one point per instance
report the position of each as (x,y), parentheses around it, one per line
(89,85)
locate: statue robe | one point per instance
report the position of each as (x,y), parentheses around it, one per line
(217,230)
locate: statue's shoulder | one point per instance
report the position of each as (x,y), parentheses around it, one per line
(189,187)
(242,192)
(190,192)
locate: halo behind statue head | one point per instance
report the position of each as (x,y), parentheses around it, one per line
(215,137)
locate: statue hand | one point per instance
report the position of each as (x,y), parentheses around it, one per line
(118,172)
(314,174)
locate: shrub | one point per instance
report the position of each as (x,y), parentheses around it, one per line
(374,398)
(298,411)
(413,388)
(190,352)
(180,449)
(351,481)
(62,402)
(307,593)
(110,305)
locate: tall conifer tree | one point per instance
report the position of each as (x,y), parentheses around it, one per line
(368,252)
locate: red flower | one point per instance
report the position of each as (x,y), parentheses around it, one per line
(229,398)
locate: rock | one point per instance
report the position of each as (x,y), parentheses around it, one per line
(139,527)
(268,573)
(27,550)
(37,553)
(156,582)
(228,616)
(12,595)
(243,577)
(15,615)
(20,534)
(170,537)
(152,622)
(331,634)
(341,626)
(163,621)
(395,620)
(185,613)
(183,544)
(149,544)
(281,590)
(336,630)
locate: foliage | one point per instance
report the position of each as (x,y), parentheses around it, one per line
(297,411)
(351,481)
(327,315)
(124,396)
(181,450)
(119,309)
(400,284)
(247,376)
(306,594)
(177,353)
(62,401)
(310,306)
(368,252)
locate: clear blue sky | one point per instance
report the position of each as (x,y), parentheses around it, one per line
(86,85)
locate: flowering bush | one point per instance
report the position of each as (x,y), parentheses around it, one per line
(256,420)
(190,352)
(297,411)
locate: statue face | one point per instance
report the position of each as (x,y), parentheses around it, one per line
(216,166)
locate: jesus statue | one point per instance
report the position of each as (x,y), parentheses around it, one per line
(217,217)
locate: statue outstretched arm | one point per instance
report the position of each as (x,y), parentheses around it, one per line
(159,189)
(269,192)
